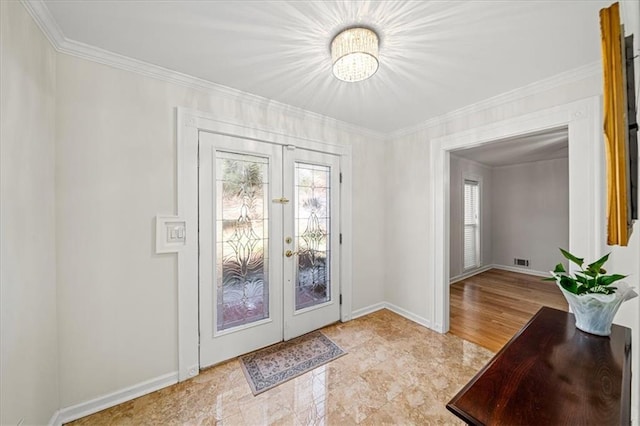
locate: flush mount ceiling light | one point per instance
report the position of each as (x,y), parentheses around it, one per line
(354,53)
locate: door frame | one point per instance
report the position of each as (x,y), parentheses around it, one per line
(189,124)
(586,186)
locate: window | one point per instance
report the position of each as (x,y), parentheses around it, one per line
(471,224)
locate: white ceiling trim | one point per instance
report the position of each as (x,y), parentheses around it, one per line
(45,21)
(48,25)
(590,70)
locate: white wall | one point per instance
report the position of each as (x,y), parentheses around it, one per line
(461,169)
(116,166)
(369,221)
(531,213)
(406,227)
(29,335)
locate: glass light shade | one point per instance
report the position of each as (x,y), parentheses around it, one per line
(354,53)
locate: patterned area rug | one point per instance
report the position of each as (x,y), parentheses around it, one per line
(276,364)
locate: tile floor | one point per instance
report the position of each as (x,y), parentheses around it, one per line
(396,372)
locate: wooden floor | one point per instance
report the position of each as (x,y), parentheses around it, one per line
(489,308)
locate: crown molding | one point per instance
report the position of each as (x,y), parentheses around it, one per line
(48,25)
(586,71)
(45,21)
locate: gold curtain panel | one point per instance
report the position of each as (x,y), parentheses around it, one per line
(618,226)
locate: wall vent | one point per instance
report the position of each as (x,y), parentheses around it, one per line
(521,262)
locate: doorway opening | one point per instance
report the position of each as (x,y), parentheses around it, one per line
(586,185)
(509,214)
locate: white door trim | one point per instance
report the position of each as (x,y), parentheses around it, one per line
(586,185)
(189,123)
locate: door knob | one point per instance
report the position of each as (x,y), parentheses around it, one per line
(290,253)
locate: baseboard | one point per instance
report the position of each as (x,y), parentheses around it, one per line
(367,310)
(93,406)
(56,419)
(469,274)
(522,270)
(393,308)
(408,315)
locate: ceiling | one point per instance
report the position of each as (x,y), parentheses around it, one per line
(547,145)
(435,56)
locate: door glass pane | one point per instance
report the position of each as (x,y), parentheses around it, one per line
(312,215)
(242,239)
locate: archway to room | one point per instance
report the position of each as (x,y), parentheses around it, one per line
(509,213)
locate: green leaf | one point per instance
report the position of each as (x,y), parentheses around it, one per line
(597,265)
(569,284)
(549,279)
(610,279)
(581,278)
(578,261)
(582,290)
(587,277)
(559,268)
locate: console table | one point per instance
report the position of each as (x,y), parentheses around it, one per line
(551,373)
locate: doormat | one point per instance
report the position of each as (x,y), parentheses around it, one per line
(269,367)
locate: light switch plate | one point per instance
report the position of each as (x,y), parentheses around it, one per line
(171,233)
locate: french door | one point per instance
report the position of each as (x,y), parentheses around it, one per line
(269,244)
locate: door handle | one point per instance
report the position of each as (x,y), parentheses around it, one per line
(290,253)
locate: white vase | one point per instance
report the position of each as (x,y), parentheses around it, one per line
(594,312)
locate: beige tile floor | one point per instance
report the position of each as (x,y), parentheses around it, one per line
(395,372)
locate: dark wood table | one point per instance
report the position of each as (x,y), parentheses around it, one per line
(551,373)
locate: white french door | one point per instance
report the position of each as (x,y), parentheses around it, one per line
(312,241)
(269,244)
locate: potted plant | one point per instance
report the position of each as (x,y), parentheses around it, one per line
(590,294)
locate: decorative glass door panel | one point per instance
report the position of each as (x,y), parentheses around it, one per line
(312,234)
(242,240)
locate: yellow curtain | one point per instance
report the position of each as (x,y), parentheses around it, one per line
(618,229)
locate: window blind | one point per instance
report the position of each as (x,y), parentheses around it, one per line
(471,224)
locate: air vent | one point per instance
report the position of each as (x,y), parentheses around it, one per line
(521,262)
